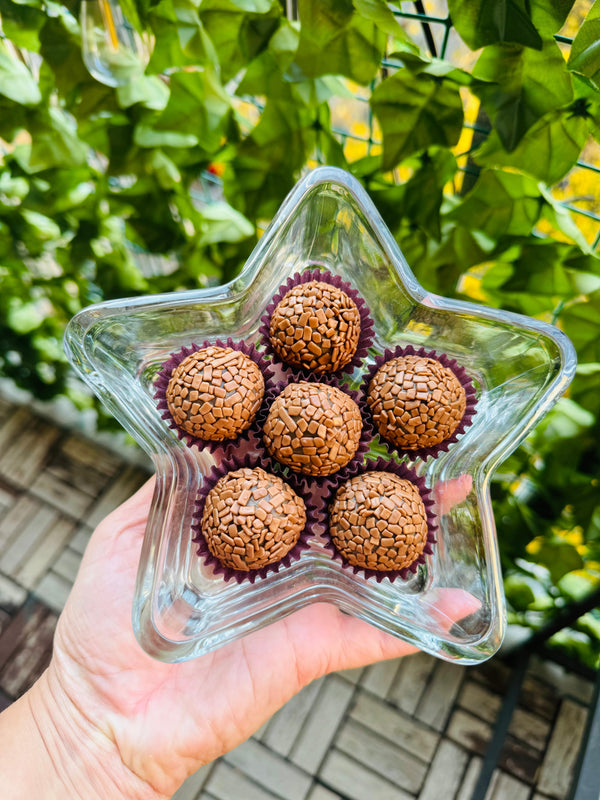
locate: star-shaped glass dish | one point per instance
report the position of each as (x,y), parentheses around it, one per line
(519,367)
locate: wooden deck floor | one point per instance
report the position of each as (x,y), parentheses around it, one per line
(411,728)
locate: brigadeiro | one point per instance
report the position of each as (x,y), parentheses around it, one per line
(417,402)
(313,428)
(378,521)
(316,326)
(251,519)
(214,393)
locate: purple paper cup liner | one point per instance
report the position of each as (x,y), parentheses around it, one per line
(310,483)
(402,471)
(164,376)
(450,363)
(227,573)
(365,338)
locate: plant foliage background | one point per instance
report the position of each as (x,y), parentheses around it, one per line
(96,182)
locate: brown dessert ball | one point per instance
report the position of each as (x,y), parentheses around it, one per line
(378,521)
(313,428)
(315,326)
(215,393)
(416,402)
(251,519)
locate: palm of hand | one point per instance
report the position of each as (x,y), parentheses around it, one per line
(169,719)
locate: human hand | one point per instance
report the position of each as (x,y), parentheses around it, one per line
(117,723)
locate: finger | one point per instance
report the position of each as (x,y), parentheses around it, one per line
(452,492)
(448,608)
(327,640)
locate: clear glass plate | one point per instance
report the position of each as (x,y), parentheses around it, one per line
(519,366)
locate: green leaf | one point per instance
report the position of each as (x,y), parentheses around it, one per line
(584,58)
(379,12)
(559,557)
(481,22)
(239,31)
(581,323)
(566,420)
(16,82)
(518,591)
(415,112)
(534,277)
(577,645)
(6,243)
(586,387)
(265,166)
(525,593)
(548,150)
(222,223)
(166,171)
(335,40)
(549,16)
(54,143)
(424,190)
(145,136)
(577,585)
(26,317)
(266,74)
(561,218)
(437,67)
(180,37)
(148,90)
(60,43)
(72,190)
(588,369)
(42,227)
(21,24)
(592,113)
(588,623)
(522,85)
(500,204)
(441,268)
(198,106)
(12,191)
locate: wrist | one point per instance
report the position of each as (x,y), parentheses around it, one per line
(48,748)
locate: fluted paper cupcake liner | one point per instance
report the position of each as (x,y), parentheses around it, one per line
(406,473)
(308,483)
(164,376)
(366,323)
(451,364)
(227,573)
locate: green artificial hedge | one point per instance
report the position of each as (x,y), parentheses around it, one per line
(92,176)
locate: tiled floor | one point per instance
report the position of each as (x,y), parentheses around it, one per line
(412,728)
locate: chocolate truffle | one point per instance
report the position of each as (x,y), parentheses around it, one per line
(214,393)
(251,519)
(313,428)
(378,521)
(416,402)
(315,326)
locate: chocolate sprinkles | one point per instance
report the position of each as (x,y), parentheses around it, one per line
(215,393)
(251,519)
(315,326)
(313,428)
(378,521)
(416,401)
